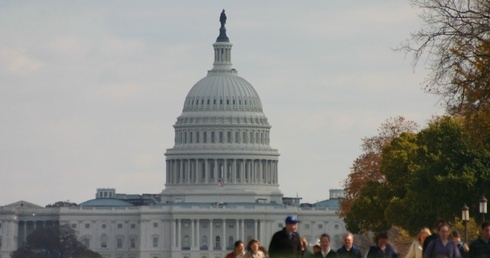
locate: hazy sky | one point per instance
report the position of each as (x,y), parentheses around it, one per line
(90,90)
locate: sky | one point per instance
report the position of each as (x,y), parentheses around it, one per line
(90,90)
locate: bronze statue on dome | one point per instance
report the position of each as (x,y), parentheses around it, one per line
(222,18)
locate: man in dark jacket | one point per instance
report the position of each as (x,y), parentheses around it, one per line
(286,243)
(348,249)
(480,247)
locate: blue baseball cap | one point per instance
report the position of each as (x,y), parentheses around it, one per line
(291,220)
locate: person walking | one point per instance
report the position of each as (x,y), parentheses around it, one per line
(480,247)
(253,249)
(462,246)
(286,242)
(326,251)
(382,249)
(442,247)
(415,250)
(238,252)
(348,250)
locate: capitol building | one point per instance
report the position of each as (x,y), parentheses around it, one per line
(221,185)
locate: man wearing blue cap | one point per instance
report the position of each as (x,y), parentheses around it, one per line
(286,243)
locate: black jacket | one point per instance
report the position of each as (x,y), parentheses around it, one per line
(283,247)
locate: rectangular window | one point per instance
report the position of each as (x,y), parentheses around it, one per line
(320,226)
(212,137)
(155,242)
(73,225)
(307,226)
(197,137)
(132,243)
(236,136)
(220,137)
(133,225)
(119,243)
(205,137)
(155,225)
(119,225)
(228,137)
(87,225)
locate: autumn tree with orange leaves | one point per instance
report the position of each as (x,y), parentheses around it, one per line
(367,166)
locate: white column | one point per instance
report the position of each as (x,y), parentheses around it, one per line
(206,171)
(224,239)
(243,230)
(174,230)
(198,235)
(237,226)
(179,232)
(211,237)
(193,236)
(233,171)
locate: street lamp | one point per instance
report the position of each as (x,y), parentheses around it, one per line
(483,207)
(465,217)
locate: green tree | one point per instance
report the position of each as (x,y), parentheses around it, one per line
(427,176)
(53,241)
(366,167)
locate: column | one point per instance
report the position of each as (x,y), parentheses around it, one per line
(256,230)
(243,230)
(167,171)
(179,232)
(174,230)
(193,237)
(198,235)
(206,171)
(211,237)
(223,238)
(216,171)
(237,233)
(233,171)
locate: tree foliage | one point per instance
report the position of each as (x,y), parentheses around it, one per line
(53,241)
(366,167)
(455,39)
(428,176)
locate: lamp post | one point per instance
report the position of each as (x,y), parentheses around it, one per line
(465,217)
(483,207)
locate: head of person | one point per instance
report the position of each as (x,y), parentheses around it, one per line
(443,231)
(456,237)
(325,242)
(423,234)
(239,247)
(348,240)
(438,224)
(381,239)
(253,245)
(291,224)
(316,249)
(304,243)
(485,230)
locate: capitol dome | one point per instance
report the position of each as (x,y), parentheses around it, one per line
(219,91)
(222,140)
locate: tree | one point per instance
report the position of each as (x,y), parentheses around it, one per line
(427,176)
(455,40)
(53,241)
(366,167)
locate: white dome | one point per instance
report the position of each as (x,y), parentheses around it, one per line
(222,92)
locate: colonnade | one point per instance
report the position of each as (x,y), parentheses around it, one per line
(214,171)
(214,234)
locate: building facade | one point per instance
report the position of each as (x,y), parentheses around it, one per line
(222,185)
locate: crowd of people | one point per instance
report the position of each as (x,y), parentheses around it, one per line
(443,243)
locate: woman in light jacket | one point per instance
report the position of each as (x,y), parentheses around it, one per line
(415,250)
